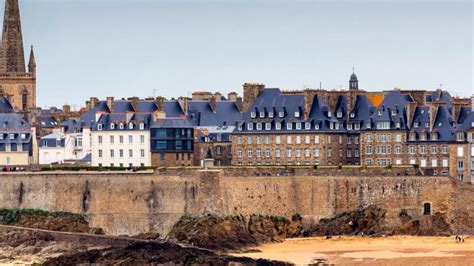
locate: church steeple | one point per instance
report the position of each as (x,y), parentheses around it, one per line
(12,58)
(32,62)
(353,81)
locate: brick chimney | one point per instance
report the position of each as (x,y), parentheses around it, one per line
(135,101)
(213,104)
(251,92)
(94,102)
(66,108)
(183,103)
(410,107)
(88,105)
(232,96)
(160,103)
(110,103)
(239,104)
(434,106)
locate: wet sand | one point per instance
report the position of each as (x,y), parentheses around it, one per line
(397,250)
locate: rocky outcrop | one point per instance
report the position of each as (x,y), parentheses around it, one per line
(234,232)
(54,221)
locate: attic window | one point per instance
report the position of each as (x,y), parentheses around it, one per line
(329,114)
(423,136)
(253,114)
(130,126)
(307,125)
(369,125)
(268,126)
(357,126)
(434,136)
(289,126)
(262,114)
(441,124)
(297,114)
(12,136)
(349,126)
(298,125)
(239,127)
(427,124)
(259,126)
(43,123)
(380,112)
(422,111)
(270,114)
(281,114)
(353,115)
(1,136)
(394,112)
(112,126)
(416,124)
(397,125)
(316,126)
(142,126)
(99,126)
(277,126)
(121,126)
(250,126)
(339,114)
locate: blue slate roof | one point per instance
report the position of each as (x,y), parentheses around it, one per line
(5,106)
(171,123)
(46,121)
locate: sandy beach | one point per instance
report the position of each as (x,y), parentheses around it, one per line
(397,250)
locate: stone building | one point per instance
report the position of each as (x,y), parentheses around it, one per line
(16,83)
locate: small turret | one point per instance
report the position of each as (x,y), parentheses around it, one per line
(353,82)
(32,63)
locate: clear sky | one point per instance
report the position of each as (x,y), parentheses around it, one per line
(126,48)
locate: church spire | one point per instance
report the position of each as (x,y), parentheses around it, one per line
(32,62)
(12,58)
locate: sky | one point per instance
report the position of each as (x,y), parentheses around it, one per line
(127,48)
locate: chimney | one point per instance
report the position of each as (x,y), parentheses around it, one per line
(218,96)
(232,96)
(159,115)
(434,106)
(94,102)
(66,108)
(160,103)
(239,104)
(410,107)
(472,102)
(213,103)
(183,103)
(308,102)
(251,92)
(88,105)
(110,104)
(53,109)
(135,101)
(456,109)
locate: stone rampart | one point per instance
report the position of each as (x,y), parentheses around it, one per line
(133,203)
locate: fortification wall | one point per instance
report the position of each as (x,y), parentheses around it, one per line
(128,204)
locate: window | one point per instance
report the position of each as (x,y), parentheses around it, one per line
(277,153)
(239,153)
(288,153)
(352,115)
(316,152)
(368,162)
(423,136)
(349,153)
(298,139)
(298,153)
(297,114)
(460,136)
(112,153)
(12,136)
(434,149)
(416,124)
(434,163)
(130,139)
(99,139)
(298,125)
(259,126)
(101,154)
(307,153)
(411,149)
(288,139)
(427,209)
(142,126)
(259,152)
(307,139)
(444,149)
(329,114)
(99,127)
(267,153)
(316,126)
(368,138)
(23,136)
(398,137)
(356,153)
(250,152)
(394,112)
(268,126)
(423,163)
(289,126)
(422,149)
(250,126)
(278,126)
(369,125)
(112,126)
(356,140)
(460,151)
(307,125)
(368,149)
(339,114)
(267,140)
(383,125)
(239,139)
(253,114)
(445,162)
(259,140)
(278,140)
(112,139)
(270,114)
(349,140)
(262,114)
(460,165)
(316,139)
(121,126)
(398,150)
(398,125)
(434,136)
(130,126)
(121,139)
(281,114)
(121,152)
(130,153)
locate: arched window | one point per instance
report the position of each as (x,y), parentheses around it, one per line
(427,208)
(24,100)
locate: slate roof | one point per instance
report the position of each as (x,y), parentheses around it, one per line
(14,123)
(171,123)
(5,106)
(46,121)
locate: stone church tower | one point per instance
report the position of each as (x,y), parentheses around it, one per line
(16,84)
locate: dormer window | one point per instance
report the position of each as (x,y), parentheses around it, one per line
(12,136)
(307,125)
(369,125)
(357,126)
(397,125)
(239,127)
(336,125)
(316,126)
(253,114)
(460,136)
(423,136)
(329,114)
(289,126)
(142,126)
(416,124)
(380,112)
(259,126)
(112,126)
(278,126)
(412,136)
(339,114)
(268,126)
(394,112)
(270,114)
(262,114)
(297,114)
(441,124)
(99,126)
(331,125)
(353,115)
(427,124)
(298,125)
(281,114)
(23,136)
(250,126)
(1,136)
(130,126)
(349,126)
(434,136)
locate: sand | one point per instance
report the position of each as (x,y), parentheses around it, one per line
(397,250)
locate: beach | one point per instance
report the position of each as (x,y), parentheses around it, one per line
(394,250)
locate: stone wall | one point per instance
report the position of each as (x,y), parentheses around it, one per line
(127,203)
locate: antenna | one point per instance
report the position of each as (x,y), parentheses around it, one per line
(154,92)
(320,85)
(353,70)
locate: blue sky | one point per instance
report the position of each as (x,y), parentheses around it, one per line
(131,48)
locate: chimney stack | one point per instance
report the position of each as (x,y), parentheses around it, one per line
(410,107)
(251,92)
(213,103)
(88,105)
(66,108)
(232,96)
(94,102)
(110,103)
(160,104)
(135,101)
(239,104)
